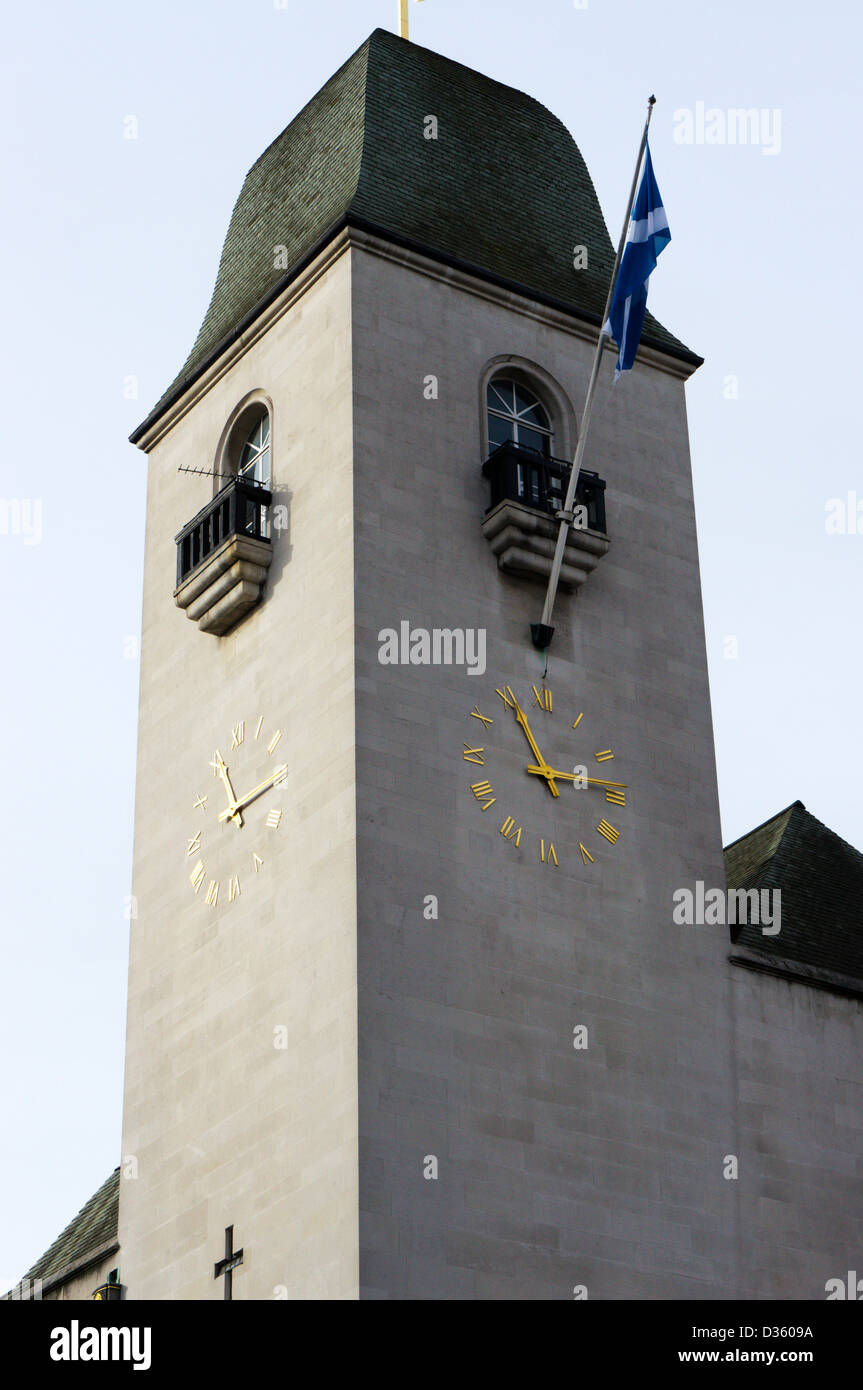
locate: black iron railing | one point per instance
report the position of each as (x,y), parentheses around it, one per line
(239,509)
(524,475)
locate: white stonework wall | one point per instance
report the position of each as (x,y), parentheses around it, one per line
(409,1038)
(801,1135)
(225,1128)
(557,1168)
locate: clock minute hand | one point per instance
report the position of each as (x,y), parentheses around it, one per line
(256,791)
(521,719)
(233,809)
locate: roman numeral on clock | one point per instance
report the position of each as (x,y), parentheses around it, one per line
(608,831)
(617,797)
(483,792)
(475,714)
(510,831)
(547,857)
(586,855)
(474,755)
(542,698)
(507,696)
(238,734)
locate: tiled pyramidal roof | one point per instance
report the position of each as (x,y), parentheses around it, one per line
(503,192)
(93,1228)
(821,881)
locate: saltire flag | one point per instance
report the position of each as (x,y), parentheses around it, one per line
(648,236)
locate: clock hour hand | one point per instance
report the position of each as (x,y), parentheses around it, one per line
(256,791)
(547,772)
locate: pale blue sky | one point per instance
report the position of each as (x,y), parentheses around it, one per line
(110,252)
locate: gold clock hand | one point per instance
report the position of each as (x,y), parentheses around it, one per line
(233,810)
(546,771)
(256,791)
(521,719)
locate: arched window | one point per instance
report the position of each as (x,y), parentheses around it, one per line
(248,455)
(516,415)
(254,457)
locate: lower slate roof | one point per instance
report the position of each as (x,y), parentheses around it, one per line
(94,1228)
(821,881)
(503,192)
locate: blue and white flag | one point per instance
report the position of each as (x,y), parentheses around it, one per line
(648,235)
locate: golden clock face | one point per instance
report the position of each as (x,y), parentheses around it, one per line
(568,802)
(236,813)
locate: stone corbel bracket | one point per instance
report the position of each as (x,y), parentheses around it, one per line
(230,581)
(524,541)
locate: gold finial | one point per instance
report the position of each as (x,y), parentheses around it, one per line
(404,22)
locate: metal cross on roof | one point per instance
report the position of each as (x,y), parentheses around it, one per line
(229,1263)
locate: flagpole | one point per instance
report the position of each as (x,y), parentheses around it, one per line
(542,632)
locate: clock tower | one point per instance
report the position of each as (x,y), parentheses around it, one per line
(409,1012)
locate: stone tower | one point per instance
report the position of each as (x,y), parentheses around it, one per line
(405,1018)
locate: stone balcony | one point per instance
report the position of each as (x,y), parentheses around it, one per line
(223,555)
(521,526)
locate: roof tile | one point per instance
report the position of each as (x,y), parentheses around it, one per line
(502,191)
(94,1226)
(821,881)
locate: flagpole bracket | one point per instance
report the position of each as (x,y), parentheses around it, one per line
(541,635)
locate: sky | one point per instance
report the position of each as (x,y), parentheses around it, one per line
(126,133)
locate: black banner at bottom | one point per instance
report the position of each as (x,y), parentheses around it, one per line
(85,1339)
